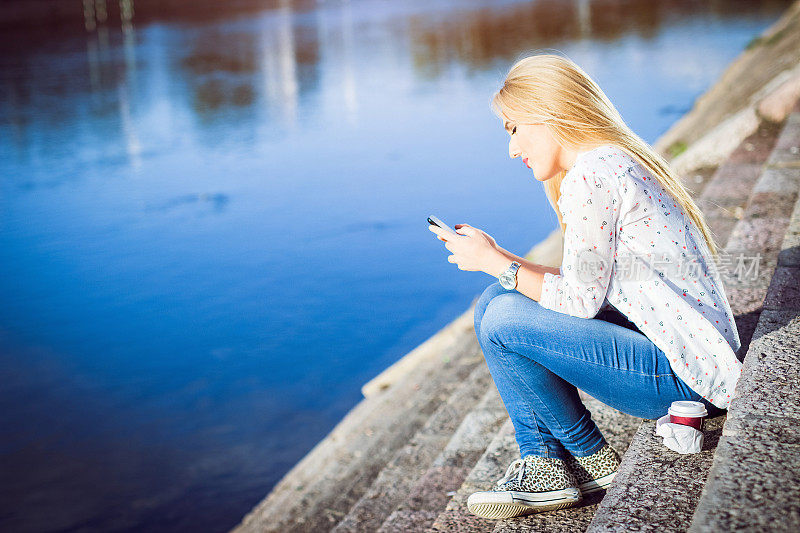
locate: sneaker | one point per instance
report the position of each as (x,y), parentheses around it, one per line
(595,472)
(530,485)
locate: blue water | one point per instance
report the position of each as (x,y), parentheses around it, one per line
(212,223)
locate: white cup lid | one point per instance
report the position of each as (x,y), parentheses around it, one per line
(687,408)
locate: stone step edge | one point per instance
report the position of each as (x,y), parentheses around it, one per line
(348,432)
(769,102)
(392,483)
(708,515)
(350,478)
(340,497)
(462,451)
(429,349)
(490,461)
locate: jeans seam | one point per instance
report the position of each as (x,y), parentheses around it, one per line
(530,410)
(504,352)
(523,343)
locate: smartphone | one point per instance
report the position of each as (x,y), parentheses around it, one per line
(437,222)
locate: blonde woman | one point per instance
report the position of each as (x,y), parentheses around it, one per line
(636,315)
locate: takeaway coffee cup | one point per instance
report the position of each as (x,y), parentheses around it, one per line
(688,413)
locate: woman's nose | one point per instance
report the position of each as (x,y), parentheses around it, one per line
(513,149)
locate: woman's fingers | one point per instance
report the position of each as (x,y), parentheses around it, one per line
(465,229)
(437,230)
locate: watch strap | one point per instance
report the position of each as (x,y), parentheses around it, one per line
(512,268)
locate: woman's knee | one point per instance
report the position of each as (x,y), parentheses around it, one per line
(502,315)
(483,301)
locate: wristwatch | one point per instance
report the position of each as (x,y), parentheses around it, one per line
(508,279)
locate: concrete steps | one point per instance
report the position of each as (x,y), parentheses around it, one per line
(430,493)
(408,457)
(345,490)
(725,195)
(753,482)
(490,466)
(657,489)
(320,490)
(394,483)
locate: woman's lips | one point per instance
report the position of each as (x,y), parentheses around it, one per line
(526,162)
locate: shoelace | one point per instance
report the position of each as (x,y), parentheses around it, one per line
(516,470)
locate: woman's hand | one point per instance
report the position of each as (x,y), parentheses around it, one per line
(473,250)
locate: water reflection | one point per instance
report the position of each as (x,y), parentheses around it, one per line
(260,67)
(211,220)
(217,201)
(480,37)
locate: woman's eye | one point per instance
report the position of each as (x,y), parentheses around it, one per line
(513,130)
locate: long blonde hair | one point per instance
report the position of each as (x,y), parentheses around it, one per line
(552,89)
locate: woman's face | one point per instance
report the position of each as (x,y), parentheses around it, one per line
(537,148)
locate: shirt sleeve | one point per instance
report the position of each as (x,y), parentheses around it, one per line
(590,210)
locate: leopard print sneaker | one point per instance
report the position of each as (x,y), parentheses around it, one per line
(595,472)
(530,485)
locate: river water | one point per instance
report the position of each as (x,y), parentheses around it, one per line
(212,222)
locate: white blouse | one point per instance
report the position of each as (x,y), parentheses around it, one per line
(629,244)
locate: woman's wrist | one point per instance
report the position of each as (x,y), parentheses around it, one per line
(498,261)
(502,258)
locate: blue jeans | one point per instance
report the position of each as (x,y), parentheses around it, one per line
(539,358)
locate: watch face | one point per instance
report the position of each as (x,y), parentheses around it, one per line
(506,281)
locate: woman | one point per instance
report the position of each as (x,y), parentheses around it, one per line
(636,315)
